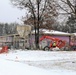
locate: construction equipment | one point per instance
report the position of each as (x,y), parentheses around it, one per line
(46,42)
(4,49)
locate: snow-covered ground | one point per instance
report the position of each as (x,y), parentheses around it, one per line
(38,62)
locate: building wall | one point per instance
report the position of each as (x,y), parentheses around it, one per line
(31,40)
(5,40)
(62,37)
(65,38)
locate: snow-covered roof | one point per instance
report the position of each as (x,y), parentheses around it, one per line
(52,32)
(74,34)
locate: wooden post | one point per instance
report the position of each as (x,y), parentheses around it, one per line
(14,41)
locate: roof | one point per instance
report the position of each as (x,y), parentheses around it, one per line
(74,34)
(52,32)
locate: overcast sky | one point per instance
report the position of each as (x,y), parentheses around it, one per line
(8,13)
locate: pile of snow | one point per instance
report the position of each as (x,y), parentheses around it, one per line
(30,62)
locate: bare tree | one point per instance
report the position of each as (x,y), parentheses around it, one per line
(67,10)
(37,9)
(67,6)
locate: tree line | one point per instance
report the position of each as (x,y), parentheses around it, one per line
(8,28)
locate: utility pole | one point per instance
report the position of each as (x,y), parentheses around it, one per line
(38,2)
(75,7)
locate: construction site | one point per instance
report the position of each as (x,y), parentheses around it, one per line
(25,39)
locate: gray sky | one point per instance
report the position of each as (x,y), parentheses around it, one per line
(8,13)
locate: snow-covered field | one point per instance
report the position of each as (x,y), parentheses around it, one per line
(38,62)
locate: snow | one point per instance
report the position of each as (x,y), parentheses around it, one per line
(38,62)
(46,31)
(54,32)
(74,34)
